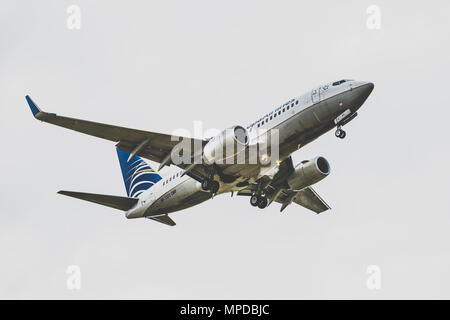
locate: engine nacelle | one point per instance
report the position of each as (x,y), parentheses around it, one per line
(224,147)
(308,172)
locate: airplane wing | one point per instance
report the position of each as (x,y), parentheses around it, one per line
(307,198)
(151,145)
(271,185)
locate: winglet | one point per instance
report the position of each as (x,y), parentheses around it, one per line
(34,109)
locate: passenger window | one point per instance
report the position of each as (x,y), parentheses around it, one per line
(283,109)
(279,112)
(270,117)
(258,125)
(296,102)
(275,115)
(287,108)
(292,105)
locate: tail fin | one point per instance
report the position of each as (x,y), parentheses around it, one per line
(137,174)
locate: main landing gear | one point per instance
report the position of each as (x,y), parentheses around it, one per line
(340,133)
(210,185)
(259,201)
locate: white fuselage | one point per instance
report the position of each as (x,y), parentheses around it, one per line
(299,121)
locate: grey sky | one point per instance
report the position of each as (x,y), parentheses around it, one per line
(161,65)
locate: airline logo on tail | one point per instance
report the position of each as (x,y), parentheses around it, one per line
(137,174)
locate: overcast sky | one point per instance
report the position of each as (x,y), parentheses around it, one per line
(161,65)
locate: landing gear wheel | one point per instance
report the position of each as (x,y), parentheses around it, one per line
(214,186)
(262,203)
(254,200)
(340,133)
(206,184)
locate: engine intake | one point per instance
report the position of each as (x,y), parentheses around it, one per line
(226,146)
(309,172)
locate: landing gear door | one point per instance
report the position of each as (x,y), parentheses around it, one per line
(315,95)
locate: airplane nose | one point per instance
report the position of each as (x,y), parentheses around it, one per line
(366,89)
(360,93)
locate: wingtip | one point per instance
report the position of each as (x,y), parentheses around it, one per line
(34,108)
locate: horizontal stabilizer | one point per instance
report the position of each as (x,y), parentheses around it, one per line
(121,203)
(164,219)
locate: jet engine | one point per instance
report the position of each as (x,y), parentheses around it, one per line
(224,147)
(308,172)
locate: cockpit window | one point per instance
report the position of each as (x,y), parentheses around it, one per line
(339,82)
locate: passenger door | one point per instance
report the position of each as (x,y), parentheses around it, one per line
(315,95)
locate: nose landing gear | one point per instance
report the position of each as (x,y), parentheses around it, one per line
(340,133)
(343,119)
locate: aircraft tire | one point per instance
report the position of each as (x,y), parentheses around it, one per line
(262,203)
(254,199)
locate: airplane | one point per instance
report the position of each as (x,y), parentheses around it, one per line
(297,122)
